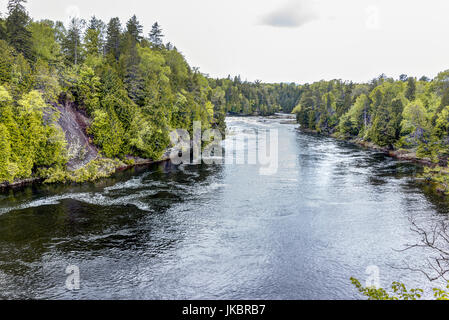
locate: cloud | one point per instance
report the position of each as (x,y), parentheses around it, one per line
(294,14)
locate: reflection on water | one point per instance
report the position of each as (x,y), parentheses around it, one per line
(226,232)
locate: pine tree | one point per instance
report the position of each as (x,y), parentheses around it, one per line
(134,29)
(94,37)
(72,45)
(3,35)
(19,37)
(134,81)
(410,94)
(87,89)
(156,35)
(60,32)
(113,33)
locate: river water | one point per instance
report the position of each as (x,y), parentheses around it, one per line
(222,231)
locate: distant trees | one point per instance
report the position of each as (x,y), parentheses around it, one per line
(408,113)
(247,98)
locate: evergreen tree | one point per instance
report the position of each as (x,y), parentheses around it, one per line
(133,81)
(156,36)
(60,32)
(113,38)
(134,29)
(94,37)
(108,132)
(6,62)
(410,94)
(18,35)
(72,44)
(87,89)
(415,121)
(3,35)
(5,154)
(443,104)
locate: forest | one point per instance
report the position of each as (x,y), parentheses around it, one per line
(247,98)
(132,88)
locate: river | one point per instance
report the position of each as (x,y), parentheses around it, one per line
(222,231)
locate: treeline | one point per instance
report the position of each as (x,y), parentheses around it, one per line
(134,88)
(406,114)
(247,98)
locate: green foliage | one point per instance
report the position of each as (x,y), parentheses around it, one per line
(389,104)
(406,114)
(113,38)
(46,81)
(5,154)
(18,34)
(32,142)
(108,132)
(6,62)
(15,71)
(253,98)
(94,38)
(156,35)
(399,292)
(438,176)
(94,170)
(134,29)
(87,89)
(410,93)
(44,44)
(150,133)
(128,93)
(355,121)
(71,44)
(3,35)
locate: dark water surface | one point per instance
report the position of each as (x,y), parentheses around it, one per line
(221,232)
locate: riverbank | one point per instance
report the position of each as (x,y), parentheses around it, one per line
(94,170)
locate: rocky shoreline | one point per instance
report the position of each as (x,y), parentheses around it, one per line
(39,180)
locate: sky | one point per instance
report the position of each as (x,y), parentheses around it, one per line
(299,41)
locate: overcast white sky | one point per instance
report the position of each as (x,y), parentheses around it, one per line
(287,40)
